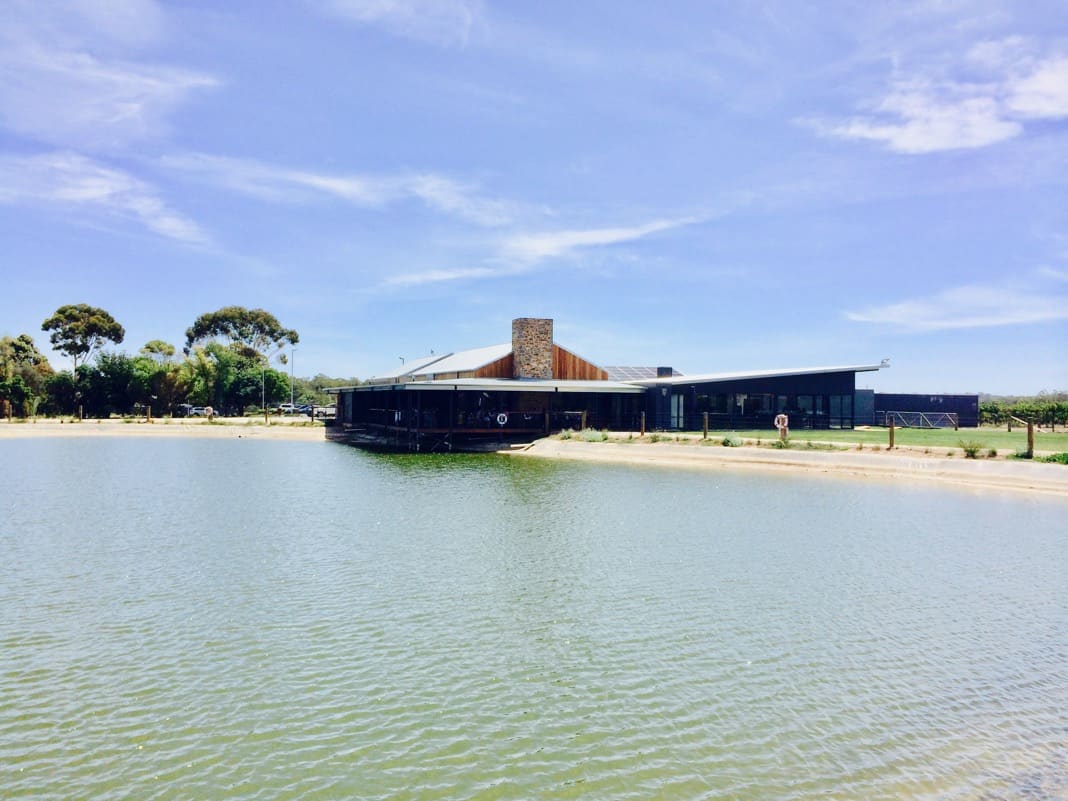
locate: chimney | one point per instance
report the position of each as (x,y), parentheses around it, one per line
(532,347)
(664,372)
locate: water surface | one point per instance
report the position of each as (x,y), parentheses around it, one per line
(240,619)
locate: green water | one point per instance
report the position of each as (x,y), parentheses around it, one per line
(242,619)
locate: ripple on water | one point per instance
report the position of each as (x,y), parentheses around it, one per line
(482,628)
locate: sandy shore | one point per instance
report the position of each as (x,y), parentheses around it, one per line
(897,465)
(227,428)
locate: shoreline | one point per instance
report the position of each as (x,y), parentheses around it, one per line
(900,465)
(894,466)
(165,427)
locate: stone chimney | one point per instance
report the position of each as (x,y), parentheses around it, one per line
(532,347)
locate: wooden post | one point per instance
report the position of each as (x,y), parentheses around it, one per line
(583,427)
(1030,440)
(547,424)
(148,414)
(705,435)
(81,417)
(642,434)
(891,434)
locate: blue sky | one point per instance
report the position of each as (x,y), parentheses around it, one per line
(715,186)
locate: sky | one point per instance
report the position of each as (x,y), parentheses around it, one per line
(714,186)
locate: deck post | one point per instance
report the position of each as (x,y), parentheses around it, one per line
(583,424)
(705,435)
(642,433)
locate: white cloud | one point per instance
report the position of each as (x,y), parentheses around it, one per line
(927,116)
(73,181)
(441,276)
(283,184)
(443,22)
(1042,94)
(967,307)
(61,82)
(536,247)
(521,253)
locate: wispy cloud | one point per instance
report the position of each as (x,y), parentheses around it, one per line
(967,307)
(928,115)
(283,184)
(57,86)
(523,253)
(442,22)
(528,248)
(73,181)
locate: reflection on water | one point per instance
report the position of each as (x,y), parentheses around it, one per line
(269,620)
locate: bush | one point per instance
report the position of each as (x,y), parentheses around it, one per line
(971,448)
(567,433)
(593,435)
(782,444)
(1055,458)
(732,441)
(992,453)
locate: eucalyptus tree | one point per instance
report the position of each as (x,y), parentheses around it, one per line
(78,330)
(246,331)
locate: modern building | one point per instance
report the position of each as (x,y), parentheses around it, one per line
(532,386)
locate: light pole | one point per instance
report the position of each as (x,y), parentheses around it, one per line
(292,358)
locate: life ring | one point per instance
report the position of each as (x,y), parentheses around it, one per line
(782,421)
(502,419)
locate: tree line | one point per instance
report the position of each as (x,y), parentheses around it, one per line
(1046,408)
(226,363)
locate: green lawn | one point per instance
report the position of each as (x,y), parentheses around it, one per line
(998,438)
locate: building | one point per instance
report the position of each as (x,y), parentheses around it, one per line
(532,386)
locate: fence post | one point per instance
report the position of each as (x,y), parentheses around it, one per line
(642,434)
(891,434)
(1030,440)
(148,414)
(583,428)
(706,426)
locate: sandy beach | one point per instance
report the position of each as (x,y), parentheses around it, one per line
(225,428)
(898,465)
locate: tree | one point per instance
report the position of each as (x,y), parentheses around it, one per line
(159,350)
(79,329)
(243,329)
(20,360)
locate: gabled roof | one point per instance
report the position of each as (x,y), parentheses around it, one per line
(409,366)
(466,360)
(712,378)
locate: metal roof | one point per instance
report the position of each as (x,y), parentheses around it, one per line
(409,366)
(619,373)
(465,360)
(712,378)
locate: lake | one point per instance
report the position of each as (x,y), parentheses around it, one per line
(242,619)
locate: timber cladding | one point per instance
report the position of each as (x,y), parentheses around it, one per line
(568,366)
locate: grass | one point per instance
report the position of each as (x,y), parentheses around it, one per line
(934,438)
(1055,458)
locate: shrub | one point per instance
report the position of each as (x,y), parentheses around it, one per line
(992,453)
(654,437)
(971,448)
(593,435)
(1056,458)
(782,444)
(732,441)
(567,433)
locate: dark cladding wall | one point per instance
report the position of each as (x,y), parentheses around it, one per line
(966,407)
(819,400)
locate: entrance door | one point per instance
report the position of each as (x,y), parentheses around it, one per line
(678,415)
